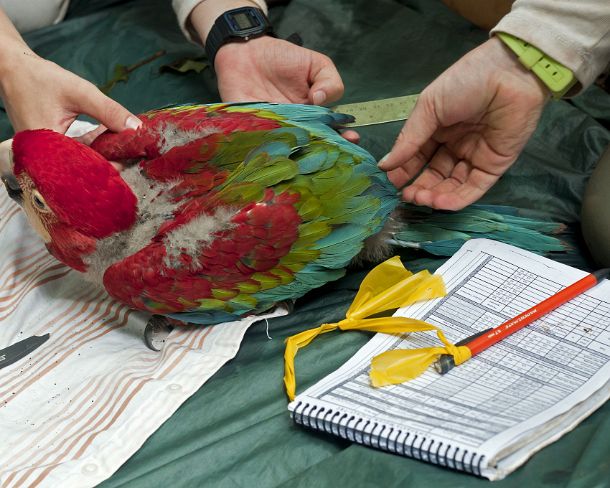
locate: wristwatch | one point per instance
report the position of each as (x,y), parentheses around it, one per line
(237,25)
(554,75)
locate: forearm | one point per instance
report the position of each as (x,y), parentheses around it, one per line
(14,52)
(577,34)
(196,18)
(12,44)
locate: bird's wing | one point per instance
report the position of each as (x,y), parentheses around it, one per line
(288,210)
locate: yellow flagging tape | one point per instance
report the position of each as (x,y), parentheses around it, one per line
(388,286)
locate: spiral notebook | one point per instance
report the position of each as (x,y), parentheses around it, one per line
(490,414)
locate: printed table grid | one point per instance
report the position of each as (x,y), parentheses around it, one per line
(523,375)
(497,292)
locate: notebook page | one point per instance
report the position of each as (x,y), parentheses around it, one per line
(503,396)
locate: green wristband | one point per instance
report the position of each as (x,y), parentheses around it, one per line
(554,75)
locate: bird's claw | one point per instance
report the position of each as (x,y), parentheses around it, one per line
(157,330)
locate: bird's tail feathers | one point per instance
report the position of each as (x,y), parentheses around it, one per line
(442,233)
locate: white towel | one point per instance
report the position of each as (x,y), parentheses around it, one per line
(74,410)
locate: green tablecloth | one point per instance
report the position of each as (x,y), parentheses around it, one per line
(236,431)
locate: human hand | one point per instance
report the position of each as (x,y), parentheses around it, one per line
(268,69)
(467,129)
(273,70)
(40,94)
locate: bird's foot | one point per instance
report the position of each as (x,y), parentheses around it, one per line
(157,330)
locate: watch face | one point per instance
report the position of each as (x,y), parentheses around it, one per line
(244,20)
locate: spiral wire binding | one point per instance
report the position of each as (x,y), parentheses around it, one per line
(371,434)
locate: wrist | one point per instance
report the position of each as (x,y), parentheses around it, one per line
(234,52)
(203,16)
(12,52)
(14,57)
(555,76)
(508,65)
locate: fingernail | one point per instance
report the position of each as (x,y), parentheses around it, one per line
(381,162)
(133,123)
(319,97)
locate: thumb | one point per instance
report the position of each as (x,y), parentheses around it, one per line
(105,110)
(6,163)
(327,85)
(418,129)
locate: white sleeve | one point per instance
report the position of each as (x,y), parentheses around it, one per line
(33,14)
(575,33)
(183,9)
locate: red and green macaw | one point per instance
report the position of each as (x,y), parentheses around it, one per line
(227,210)
(223,210)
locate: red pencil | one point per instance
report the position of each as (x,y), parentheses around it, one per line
(482,340)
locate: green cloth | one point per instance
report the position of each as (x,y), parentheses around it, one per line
(236,431)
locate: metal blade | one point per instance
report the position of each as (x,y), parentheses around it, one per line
(379,111)
(19,350)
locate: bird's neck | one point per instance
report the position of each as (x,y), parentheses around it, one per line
(70,247)
(155,207)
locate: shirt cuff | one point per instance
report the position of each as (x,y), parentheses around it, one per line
(550,37)
(183,9)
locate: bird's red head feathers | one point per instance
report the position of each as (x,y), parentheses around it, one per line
(80,186)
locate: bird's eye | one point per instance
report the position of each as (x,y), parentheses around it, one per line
(38,201)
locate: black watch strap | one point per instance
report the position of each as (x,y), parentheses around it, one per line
(237,25)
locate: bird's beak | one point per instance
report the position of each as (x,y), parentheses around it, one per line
(13,188)
(6,169)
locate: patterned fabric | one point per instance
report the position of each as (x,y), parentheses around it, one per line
(69,415)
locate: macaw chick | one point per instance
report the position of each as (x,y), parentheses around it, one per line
(223,210)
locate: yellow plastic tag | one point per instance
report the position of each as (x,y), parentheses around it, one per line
(388,286)
(400,365)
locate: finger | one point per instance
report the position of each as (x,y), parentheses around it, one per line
(327,85)
(6,157)
(417,131)
(438,171)
(112,114)
(440,168)
(92,135)
(398,177)
(118,166)
(427,195)
(351,136)
(423,182)
(476,185)
(413,166)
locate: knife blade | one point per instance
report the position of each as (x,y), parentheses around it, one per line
(11,354)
